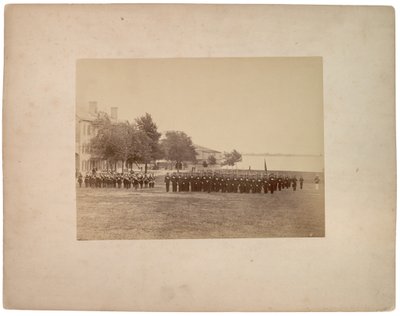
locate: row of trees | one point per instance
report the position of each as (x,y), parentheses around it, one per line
(140,143)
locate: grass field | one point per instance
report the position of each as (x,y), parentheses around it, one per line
(108,213)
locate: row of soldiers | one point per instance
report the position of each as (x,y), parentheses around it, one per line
(117,180)
(230,183)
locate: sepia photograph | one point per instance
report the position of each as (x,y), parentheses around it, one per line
(199,148)
(227,158)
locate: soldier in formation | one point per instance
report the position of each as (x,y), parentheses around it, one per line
(230,183)
(117,180)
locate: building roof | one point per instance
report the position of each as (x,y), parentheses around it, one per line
(86,116)
(205,149)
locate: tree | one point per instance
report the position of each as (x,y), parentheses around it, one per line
(146,125)
(140,147)
(104,145)
(205,164)
(178,147)
(231,158)
(211,160)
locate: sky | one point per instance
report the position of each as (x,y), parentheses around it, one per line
(254,105)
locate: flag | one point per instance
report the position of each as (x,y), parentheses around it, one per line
(265,166)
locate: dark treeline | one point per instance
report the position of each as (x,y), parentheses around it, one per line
(140,142)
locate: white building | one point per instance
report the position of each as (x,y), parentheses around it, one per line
(84,132)
(203,153)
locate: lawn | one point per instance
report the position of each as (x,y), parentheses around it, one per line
(109,213)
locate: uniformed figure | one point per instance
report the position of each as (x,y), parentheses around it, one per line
(294,181)
(235,185)
(221,183)
(287,182)
(146,181)
(253,184)
(259,185)
(80,180)
(174,180)
(209,183)
(265,184)
(167,180)
(215,183)
(135,182)
(152,181)
(241,185)
(191,183)
(271,183)
(197,183)
(204,183)
(140,180)
(87,180)
(179,180)
(185,183)
(279,181)
(301,180)
(316,181)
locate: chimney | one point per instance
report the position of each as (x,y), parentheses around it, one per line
(114,113)
(93,107)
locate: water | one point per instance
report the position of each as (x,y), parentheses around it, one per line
(288,163)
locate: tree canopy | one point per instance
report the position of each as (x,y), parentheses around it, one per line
(126,142)
(211,160)
(178,147)
(146,125)
(232,158)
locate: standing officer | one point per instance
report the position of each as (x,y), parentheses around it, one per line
(259,184)
(316,181)
(209,186)
(279,181)
(286,182)
(271,183)
(253,185)
(265,184)
(294,183)
(204,183)
(179,181)
(197,183)
(191,181)
(222,183)
(185,183)
(174,181)
(80,179)
(235,184)
(241,185)
(140,180)
(146,180)
(301,180)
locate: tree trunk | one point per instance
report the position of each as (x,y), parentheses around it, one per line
(145,168)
